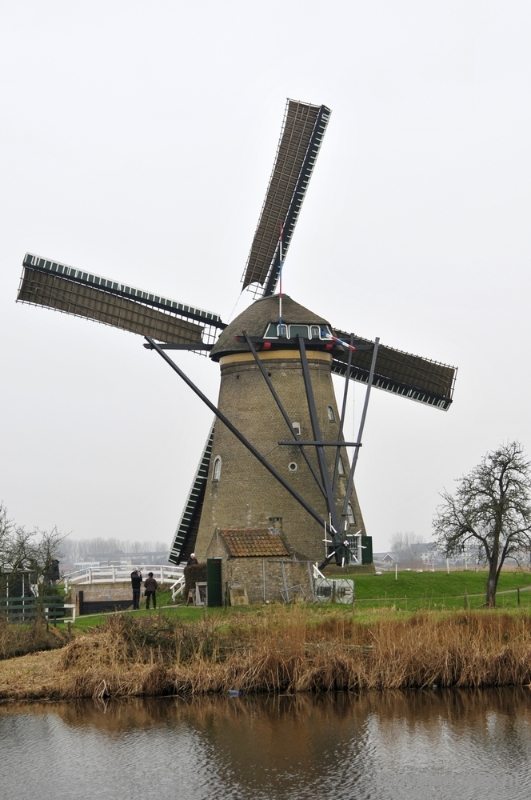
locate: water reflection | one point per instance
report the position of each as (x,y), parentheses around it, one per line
(380,745)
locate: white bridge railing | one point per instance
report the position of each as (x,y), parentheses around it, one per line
(121,574)
(177,587)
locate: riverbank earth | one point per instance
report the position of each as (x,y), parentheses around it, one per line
(421,630)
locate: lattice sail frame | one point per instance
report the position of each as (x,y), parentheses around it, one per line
(71,291)
(186,534)
(302,133)
(414,377)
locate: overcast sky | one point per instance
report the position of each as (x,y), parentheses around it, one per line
(137,142)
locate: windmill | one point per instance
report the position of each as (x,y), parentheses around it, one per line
(275,459)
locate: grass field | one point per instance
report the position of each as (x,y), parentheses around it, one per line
(413,591)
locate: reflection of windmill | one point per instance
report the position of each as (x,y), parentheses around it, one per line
(275,457)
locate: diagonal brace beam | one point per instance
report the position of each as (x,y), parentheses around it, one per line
(282,410)
(343,412)
(350,484)
(323,466)
(232,428)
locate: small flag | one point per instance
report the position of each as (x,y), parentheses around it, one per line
(327,335)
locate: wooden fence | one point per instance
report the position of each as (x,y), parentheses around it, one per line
(27,609)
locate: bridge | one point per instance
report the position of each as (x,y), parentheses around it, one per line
(120,574)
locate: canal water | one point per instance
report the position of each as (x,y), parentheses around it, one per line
(422,745)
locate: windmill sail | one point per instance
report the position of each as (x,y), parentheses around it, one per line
(63,288)
(186,533)
(401,373)
(302,133)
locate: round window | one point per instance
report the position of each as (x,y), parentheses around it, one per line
(292,466)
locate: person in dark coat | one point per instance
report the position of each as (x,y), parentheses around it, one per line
(136,583)
(52,573)
(191,560)
(150,587)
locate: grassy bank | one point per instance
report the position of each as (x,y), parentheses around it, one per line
(414,591)
(294,649)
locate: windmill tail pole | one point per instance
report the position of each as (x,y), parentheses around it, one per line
(280,279)
(343,412)
(300,500)
(350,483)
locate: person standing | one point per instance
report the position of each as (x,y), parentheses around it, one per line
(52,573)
(136,583)
(150,587)
(192,560)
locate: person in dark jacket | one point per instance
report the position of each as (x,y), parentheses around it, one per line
(191,560)
(136,583)
(52,573)
(150,587)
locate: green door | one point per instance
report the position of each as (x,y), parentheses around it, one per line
(214,586)
(366,555)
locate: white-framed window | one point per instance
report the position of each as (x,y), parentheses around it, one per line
(315,332)
(298,330)
(350,515)
(216,470)
(340,467)
(330,414)
(296,427)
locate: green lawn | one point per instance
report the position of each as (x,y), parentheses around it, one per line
(413,591)
(438,590)
(186,614)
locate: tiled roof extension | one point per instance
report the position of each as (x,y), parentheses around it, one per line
(260,542)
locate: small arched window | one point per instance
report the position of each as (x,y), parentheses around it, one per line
(216,472)
(350,515)
(340,466)
(330,413)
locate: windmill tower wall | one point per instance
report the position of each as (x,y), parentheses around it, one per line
(245,494)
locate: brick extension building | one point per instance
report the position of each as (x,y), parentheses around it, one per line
(258,560)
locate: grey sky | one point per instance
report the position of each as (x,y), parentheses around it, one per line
(137,143)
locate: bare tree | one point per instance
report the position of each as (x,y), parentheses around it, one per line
(491,507)
(22,550)
(47,547)
(6,530)
(401,544)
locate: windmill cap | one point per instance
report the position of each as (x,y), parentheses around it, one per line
(255,319)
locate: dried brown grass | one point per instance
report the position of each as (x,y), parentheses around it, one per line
(291,651)
(17,640)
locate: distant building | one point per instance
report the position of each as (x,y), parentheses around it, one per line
(383,560)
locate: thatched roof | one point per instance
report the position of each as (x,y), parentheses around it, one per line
(255,320)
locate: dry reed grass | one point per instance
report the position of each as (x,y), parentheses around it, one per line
(292,650)
(16,640)
(288,652)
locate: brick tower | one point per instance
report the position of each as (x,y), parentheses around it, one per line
(240,492)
